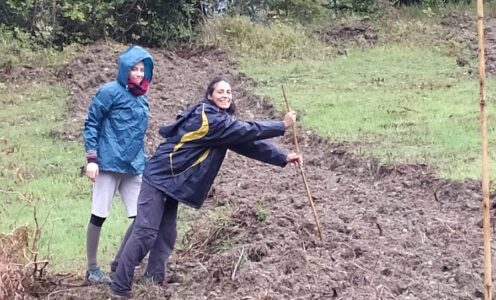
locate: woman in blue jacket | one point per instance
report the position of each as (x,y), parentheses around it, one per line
(114,133)
(182,171)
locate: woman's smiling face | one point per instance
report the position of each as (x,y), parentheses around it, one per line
(221,95)
(137,73)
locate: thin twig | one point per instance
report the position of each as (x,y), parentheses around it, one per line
(360,267)
(60,291)
(237,264)
(444,223)
(202,266)
(409,109)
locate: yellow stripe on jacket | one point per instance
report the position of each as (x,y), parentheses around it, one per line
(192,136)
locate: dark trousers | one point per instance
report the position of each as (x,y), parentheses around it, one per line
(155,231)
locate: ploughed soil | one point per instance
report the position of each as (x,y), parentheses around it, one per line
(463,29)
(388,231)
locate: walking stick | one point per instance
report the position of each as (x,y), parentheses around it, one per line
(301,170)
(485,158)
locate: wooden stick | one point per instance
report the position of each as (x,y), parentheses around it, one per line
(237,264)
(485,157)
(301,170)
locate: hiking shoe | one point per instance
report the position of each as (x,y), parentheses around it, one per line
(95,275)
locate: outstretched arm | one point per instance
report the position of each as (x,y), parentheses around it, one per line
(265,152)
(225,130)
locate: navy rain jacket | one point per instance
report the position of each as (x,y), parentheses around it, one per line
(117,120)
(187,162)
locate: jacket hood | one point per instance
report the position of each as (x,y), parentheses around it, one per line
(129,58)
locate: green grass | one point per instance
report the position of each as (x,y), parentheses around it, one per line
(39,171)
(397,103)
(404,101)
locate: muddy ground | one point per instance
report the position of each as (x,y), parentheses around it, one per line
(389,231)
(462,29)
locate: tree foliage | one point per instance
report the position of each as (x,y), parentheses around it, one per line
(158,23)
(297,10)
(59,22)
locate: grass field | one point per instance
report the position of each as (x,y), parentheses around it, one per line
(40,173)
(397,102)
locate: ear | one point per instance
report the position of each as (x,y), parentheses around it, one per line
(209,97)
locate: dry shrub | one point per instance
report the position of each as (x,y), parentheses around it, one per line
(15,275)
(212,235)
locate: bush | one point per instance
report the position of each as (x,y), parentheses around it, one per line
(148,22)
(300,10)
(18,48)
(303,11)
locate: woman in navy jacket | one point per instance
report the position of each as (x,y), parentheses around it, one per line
(183,169)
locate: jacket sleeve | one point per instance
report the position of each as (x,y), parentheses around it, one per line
(262,151)
(224,130)
(97,112)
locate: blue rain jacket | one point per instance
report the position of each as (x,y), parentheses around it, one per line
(117,120)
(187,162)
